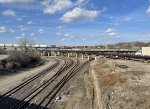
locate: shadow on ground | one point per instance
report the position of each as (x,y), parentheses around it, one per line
(10,102)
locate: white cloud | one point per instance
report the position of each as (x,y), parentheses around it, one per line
(30,22)
(59,33)
(16,1)
(66,35)
(12,30)
(79,14)
(109,30)
(19,19)
(32,34)
(61,26)
(84,39)
(148,10)
(23,34)
(9,12)
(80,1)
(104,9)
(41,30)
(70,35)
(146,37)
(23,28)
(53,6)
(112,33)
(64,39)
(19,37)
(3,29)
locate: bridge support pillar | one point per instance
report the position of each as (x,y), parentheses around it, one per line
(55,54)
(58,53)
(76,55)
(96,58)
(49,54)
(82,56)
(41,53)
(88,57)
(68,55)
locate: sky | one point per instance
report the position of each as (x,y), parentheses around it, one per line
(74,22)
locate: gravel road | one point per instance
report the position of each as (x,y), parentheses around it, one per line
(3,57)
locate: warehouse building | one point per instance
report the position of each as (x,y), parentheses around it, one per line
(146,51)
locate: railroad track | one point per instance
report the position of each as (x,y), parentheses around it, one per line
(54,91)
(34,93)
(18,87)
(50,97)
(128,57)
(68,63)
(3,100)
(27,102)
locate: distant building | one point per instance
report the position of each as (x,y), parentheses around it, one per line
(146,51)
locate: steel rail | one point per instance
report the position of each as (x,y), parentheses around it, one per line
(20,86)
(60,84)
(42,87)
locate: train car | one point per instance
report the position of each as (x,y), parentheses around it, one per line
(43,46)
(52,46)
(9,45)
(16,45)
(35,45)
(2,45)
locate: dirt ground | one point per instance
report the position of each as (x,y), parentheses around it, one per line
(77,93)
(3,57)
(12,80)
(102,84)
(123,84)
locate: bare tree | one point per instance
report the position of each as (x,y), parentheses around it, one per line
(26,44)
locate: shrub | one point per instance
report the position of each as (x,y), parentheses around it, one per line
(12,65)
(2,51)
(19,59)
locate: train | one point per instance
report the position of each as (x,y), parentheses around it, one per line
(50,46)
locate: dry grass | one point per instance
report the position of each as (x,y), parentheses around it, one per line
(19,59)
(140,102)
(124,87)
(112,79)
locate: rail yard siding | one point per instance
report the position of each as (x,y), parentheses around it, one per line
(146,51)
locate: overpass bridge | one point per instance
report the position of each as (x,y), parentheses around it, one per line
(74,52)
(70,52)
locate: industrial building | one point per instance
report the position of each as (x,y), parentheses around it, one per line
(146,51)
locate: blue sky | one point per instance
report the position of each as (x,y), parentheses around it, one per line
(75,22)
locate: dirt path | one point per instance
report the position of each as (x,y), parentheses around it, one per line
(3,57)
